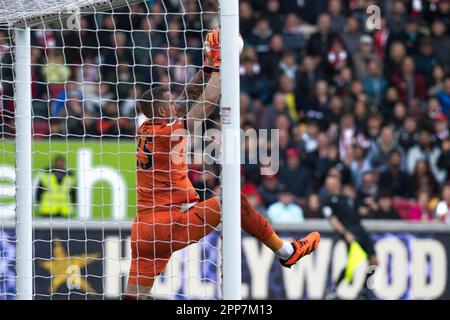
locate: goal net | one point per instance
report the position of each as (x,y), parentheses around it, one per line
(90,62)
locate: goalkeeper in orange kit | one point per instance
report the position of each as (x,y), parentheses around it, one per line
(170,216)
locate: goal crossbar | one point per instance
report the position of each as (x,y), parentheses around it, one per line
(29,13)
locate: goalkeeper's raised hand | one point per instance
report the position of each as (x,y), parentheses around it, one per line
(212,48)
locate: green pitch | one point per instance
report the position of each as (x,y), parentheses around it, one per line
(117,155)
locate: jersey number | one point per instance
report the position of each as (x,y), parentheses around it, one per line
(142,149)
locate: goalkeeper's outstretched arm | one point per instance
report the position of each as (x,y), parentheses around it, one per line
(206,103)
(203,91)
(192,92)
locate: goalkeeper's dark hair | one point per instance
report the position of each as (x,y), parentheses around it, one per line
(150,99)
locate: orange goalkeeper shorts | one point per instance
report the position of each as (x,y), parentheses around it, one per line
(155,236)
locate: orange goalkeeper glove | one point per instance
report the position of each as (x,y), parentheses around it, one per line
(212,48)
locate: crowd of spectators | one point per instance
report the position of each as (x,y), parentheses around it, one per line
(368,106)
(371,107)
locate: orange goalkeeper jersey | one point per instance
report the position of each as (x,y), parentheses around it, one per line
(162,177)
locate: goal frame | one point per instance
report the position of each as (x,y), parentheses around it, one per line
(229,109)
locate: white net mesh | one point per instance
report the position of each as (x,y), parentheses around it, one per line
(31,12)
(87,76)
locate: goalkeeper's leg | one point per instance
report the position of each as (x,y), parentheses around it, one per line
(205,217)
(189,227)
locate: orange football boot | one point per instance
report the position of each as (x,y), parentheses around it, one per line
(302,247)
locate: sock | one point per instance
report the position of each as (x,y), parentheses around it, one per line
(274,242)
(285,251)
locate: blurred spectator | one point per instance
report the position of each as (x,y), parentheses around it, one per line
(440,127)
(395,179)
(433,109)
(343,83)
(410,35)
(312,209)
(374,83)
(444,158)
(359,165)
(287,87)
(246,19)
(285,210)
(71,90)
(338,57)
(248,188)
(321,153)
(425,150)
(270,113)
(374,122)
(288,65)
(318,104)
(269,189)
(285,142)
(423,178)
(320,42)
(326,161)
(440,42)
(293,34)
(424,208)
(107,27)
(409,83)
(309,142)
(74,123)
(384,211)
(112,124)
(399,115)
(351,34)
(337,16)
(368,191)
(363,56)
(407,134)
(274,55)
(251,80)
(261,35)
(390,98)
(437,81)
(142,39)
(55,73)
(306,79)
(295,176)
(444,96)
(397,53)
(443,207)
(425,60)
(380,149)
(334,114)
(119,51)
(397,17)
(121,81)
(361,111)
(382,39)
(273,15)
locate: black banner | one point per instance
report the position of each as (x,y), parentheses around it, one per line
(92,263)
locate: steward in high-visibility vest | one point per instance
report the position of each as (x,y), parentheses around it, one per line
(56,192)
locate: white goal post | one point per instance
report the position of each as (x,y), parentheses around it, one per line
(24,205)
(231,203)
(19,16)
